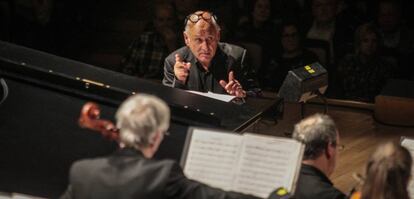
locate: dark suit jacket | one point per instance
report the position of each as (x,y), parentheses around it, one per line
(227,58)
(313,184)
(127,174)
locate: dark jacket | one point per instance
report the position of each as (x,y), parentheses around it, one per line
(227,58)
(313,184)
(128,174)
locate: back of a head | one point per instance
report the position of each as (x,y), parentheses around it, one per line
(139,118)
(388,172)
(316,132)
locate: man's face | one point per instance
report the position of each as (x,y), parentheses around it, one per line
(261,11)
(388,16)
(290,39)
(164,18)
(324,10)
(334,155)
(202,39)
(368,44)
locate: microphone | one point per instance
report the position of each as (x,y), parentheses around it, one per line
(280,193)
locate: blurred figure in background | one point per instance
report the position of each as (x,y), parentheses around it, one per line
(293,56)
(362,74)
(145,56)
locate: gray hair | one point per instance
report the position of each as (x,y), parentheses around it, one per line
(213,21)
(139,118)
(316,132)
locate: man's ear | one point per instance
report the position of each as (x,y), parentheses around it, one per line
(329,151)
(186,39)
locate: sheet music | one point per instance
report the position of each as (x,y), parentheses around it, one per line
(221,97)
(267,163)
(409,144)
(212,158)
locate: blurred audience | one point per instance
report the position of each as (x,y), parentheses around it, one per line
(388,173)
(326,26)
(292,56)
(398,38)
(256,32)
(146,54)
(362,75)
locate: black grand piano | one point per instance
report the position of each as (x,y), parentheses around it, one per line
(43,95)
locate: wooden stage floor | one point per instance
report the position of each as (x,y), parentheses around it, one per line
(359,133)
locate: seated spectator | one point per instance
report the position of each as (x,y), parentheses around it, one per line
(388,173)
(362,74)
(257,28)
(293,56)
(131,172)
(146,54)
(328,27)
(321,138)
(397,37)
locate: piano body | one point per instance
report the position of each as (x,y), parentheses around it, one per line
(39,134)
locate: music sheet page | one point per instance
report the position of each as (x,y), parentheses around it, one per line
(212,157)
(409,144)
(267,163)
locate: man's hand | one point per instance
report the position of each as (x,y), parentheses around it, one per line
(233,87)
(181,69)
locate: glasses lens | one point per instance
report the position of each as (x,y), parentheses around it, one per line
(206,15)
(194,18)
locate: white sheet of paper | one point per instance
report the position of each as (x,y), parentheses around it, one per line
(267,163)
(221,97)
(212,158)
(250,163)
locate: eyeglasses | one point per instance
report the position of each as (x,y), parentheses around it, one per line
(195,17)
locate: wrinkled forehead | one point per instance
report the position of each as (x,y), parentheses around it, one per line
(203,27)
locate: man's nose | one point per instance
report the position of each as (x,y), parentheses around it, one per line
(204,45)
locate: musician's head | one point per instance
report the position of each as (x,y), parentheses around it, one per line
(388,173)
(143,120)
(201,35)
(320,136)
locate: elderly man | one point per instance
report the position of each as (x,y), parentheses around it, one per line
(205,64)
(320,136)
(130,172)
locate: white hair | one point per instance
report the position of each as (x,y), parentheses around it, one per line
(139,118)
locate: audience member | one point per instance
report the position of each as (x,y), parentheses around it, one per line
(131,172)
(321,138)
(398,38)
(362,74)
(293,56)
(388,173)
(327,27)
(257,28)
(205,64)
(146,54)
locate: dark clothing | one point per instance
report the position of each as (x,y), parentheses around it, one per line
(312,184)
(128,174)
(363,80)
(280,66)
(227,58)
(145,56)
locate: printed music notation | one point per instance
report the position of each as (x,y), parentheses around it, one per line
(249,163)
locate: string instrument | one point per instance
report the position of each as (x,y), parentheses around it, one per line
(90,119)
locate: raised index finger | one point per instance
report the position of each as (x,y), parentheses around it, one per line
(231,76)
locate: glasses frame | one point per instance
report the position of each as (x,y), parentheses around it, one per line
(199,16)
